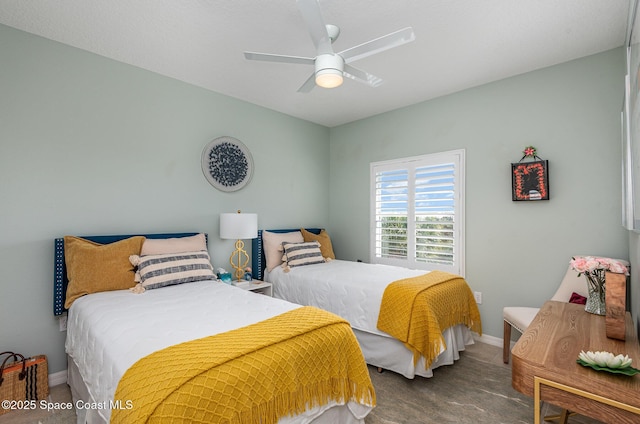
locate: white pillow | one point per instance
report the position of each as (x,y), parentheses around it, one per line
(272,246)
(174,245)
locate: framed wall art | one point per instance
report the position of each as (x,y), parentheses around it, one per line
(530,180)
(227,164)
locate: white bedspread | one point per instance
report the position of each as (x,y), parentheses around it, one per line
(108,332)
(352,290)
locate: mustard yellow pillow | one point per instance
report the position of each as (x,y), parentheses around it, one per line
(94,267)
(323,238)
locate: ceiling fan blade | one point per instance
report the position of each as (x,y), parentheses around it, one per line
(308,84)
(378,45)
(310,10)
(361,76)
(267,57)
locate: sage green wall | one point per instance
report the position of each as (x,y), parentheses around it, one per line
(516,252)
(92,146)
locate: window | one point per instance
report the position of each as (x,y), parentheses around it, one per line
(417,212)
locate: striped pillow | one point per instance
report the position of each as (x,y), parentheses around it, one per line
(297,254)
(173,268)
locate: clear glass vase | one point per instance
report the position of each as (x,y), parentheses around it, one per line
(595,300)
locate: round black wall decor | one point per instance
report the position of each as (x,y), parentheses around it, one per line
(227,164)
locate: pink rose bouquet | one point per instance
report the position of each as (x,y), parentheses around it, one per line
(594,264)
(594,269)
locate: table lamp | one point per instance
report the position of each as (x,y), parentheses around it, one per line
(238,226)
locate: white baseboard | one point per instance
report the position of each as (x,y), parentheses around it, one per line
(490,340)
(57,378)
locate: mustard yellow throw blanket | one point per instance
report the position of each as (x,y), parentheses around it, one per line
(255,374)
(417,310)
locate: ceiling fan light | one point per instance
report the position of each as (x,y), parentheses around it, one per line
(329,78)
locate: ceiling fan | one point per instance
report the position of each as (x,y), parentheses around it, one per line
(331,67)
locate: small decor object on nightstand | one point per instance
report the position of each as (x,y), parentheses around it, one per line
(227,164)
(530,180)
(223,275)
(247,274)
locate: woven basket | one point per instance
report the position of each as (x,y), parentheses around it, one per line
(23,379)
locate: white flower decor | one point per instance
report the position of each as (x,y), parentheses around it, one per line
(605,359)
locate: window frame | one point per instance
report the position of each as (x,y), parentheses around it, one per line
(455,157)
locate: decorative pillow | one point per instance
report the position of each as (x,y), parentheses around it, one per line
(272,244)
(94,267)
(323,238)
(578,298)
(298,254)
(169,269)
(174,245)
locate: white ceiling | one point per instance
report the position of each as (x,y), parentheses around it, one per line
(459,44)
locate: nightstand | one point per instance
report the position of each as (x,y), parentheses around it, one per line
(256,286)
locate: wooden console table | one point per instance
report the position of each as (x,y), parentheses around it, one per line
(544,365)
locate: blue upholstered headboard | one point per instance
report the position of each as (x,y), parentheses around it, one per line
(258,260)
(60,280)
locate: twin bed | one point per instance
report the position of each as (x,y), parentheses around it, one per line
(354,291)
(181,346)
(198,352)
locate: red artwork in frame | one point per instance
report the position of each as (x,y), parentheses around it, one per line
(530,180)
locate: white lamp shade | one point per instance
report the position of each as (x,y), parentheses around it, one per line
(238,226)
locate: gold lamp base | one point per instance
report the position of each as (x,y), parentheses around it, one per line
(239,260)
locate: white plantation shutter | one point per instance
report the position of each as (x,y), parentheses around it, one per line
(391,213)
(434,214)
(417,212)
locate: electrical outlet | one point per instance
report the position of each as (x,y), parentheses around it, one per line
(478,296)
(62,321)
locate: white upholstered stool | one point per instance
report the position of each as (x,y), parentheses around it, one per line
(518,317)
